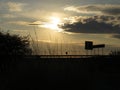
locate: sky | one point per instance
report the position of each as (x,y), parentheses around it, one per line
(63,22)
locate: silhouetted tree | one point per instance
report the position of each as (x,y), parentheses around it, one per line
(12,49)
(14,45)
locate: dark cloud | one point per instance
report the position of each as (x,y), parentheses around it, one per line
(93,25)
(112,11)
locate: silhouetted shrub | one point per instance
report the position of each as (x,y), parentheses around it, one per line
(13,48)
(114,53)
(14,45)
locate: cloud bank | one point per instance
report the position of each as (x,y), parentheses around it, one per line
(96,9)
(94,25)
(96,19)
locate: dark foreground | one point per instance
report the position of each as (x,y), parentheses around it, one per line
(98,73)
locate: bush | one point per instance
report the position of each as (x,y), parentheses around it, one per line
(14,45)
(13,48)
(114,53)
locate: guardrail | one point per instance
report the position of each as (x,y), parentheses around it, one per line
(70,56)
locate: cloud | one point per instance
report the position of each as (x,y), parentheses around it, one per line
(72,8)
(95,9)
(15,7)
(19,22)
(36,23)
(94,25)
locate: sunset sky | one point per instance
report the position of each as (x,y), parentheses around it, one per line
(63,21)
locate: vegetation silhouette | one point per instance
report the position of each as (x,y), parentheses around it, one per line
(12,47)
(115,53)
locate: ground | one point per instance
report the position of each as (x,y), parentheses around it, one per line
(63,73)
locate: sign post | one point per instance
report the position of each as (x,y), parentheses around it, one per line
(89,46)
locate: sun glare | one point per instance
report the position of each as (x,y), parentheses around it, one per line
(53,24)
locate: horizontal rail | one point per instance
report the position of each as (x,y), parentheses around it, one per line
(70,56)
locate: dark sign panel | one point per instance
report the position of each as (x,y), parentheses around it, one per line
(88,45)
(99,46)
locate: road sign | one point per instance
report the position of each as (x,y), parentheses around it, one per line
(88,45)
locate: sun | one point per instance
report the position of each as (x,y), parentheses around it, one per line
(53,24)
